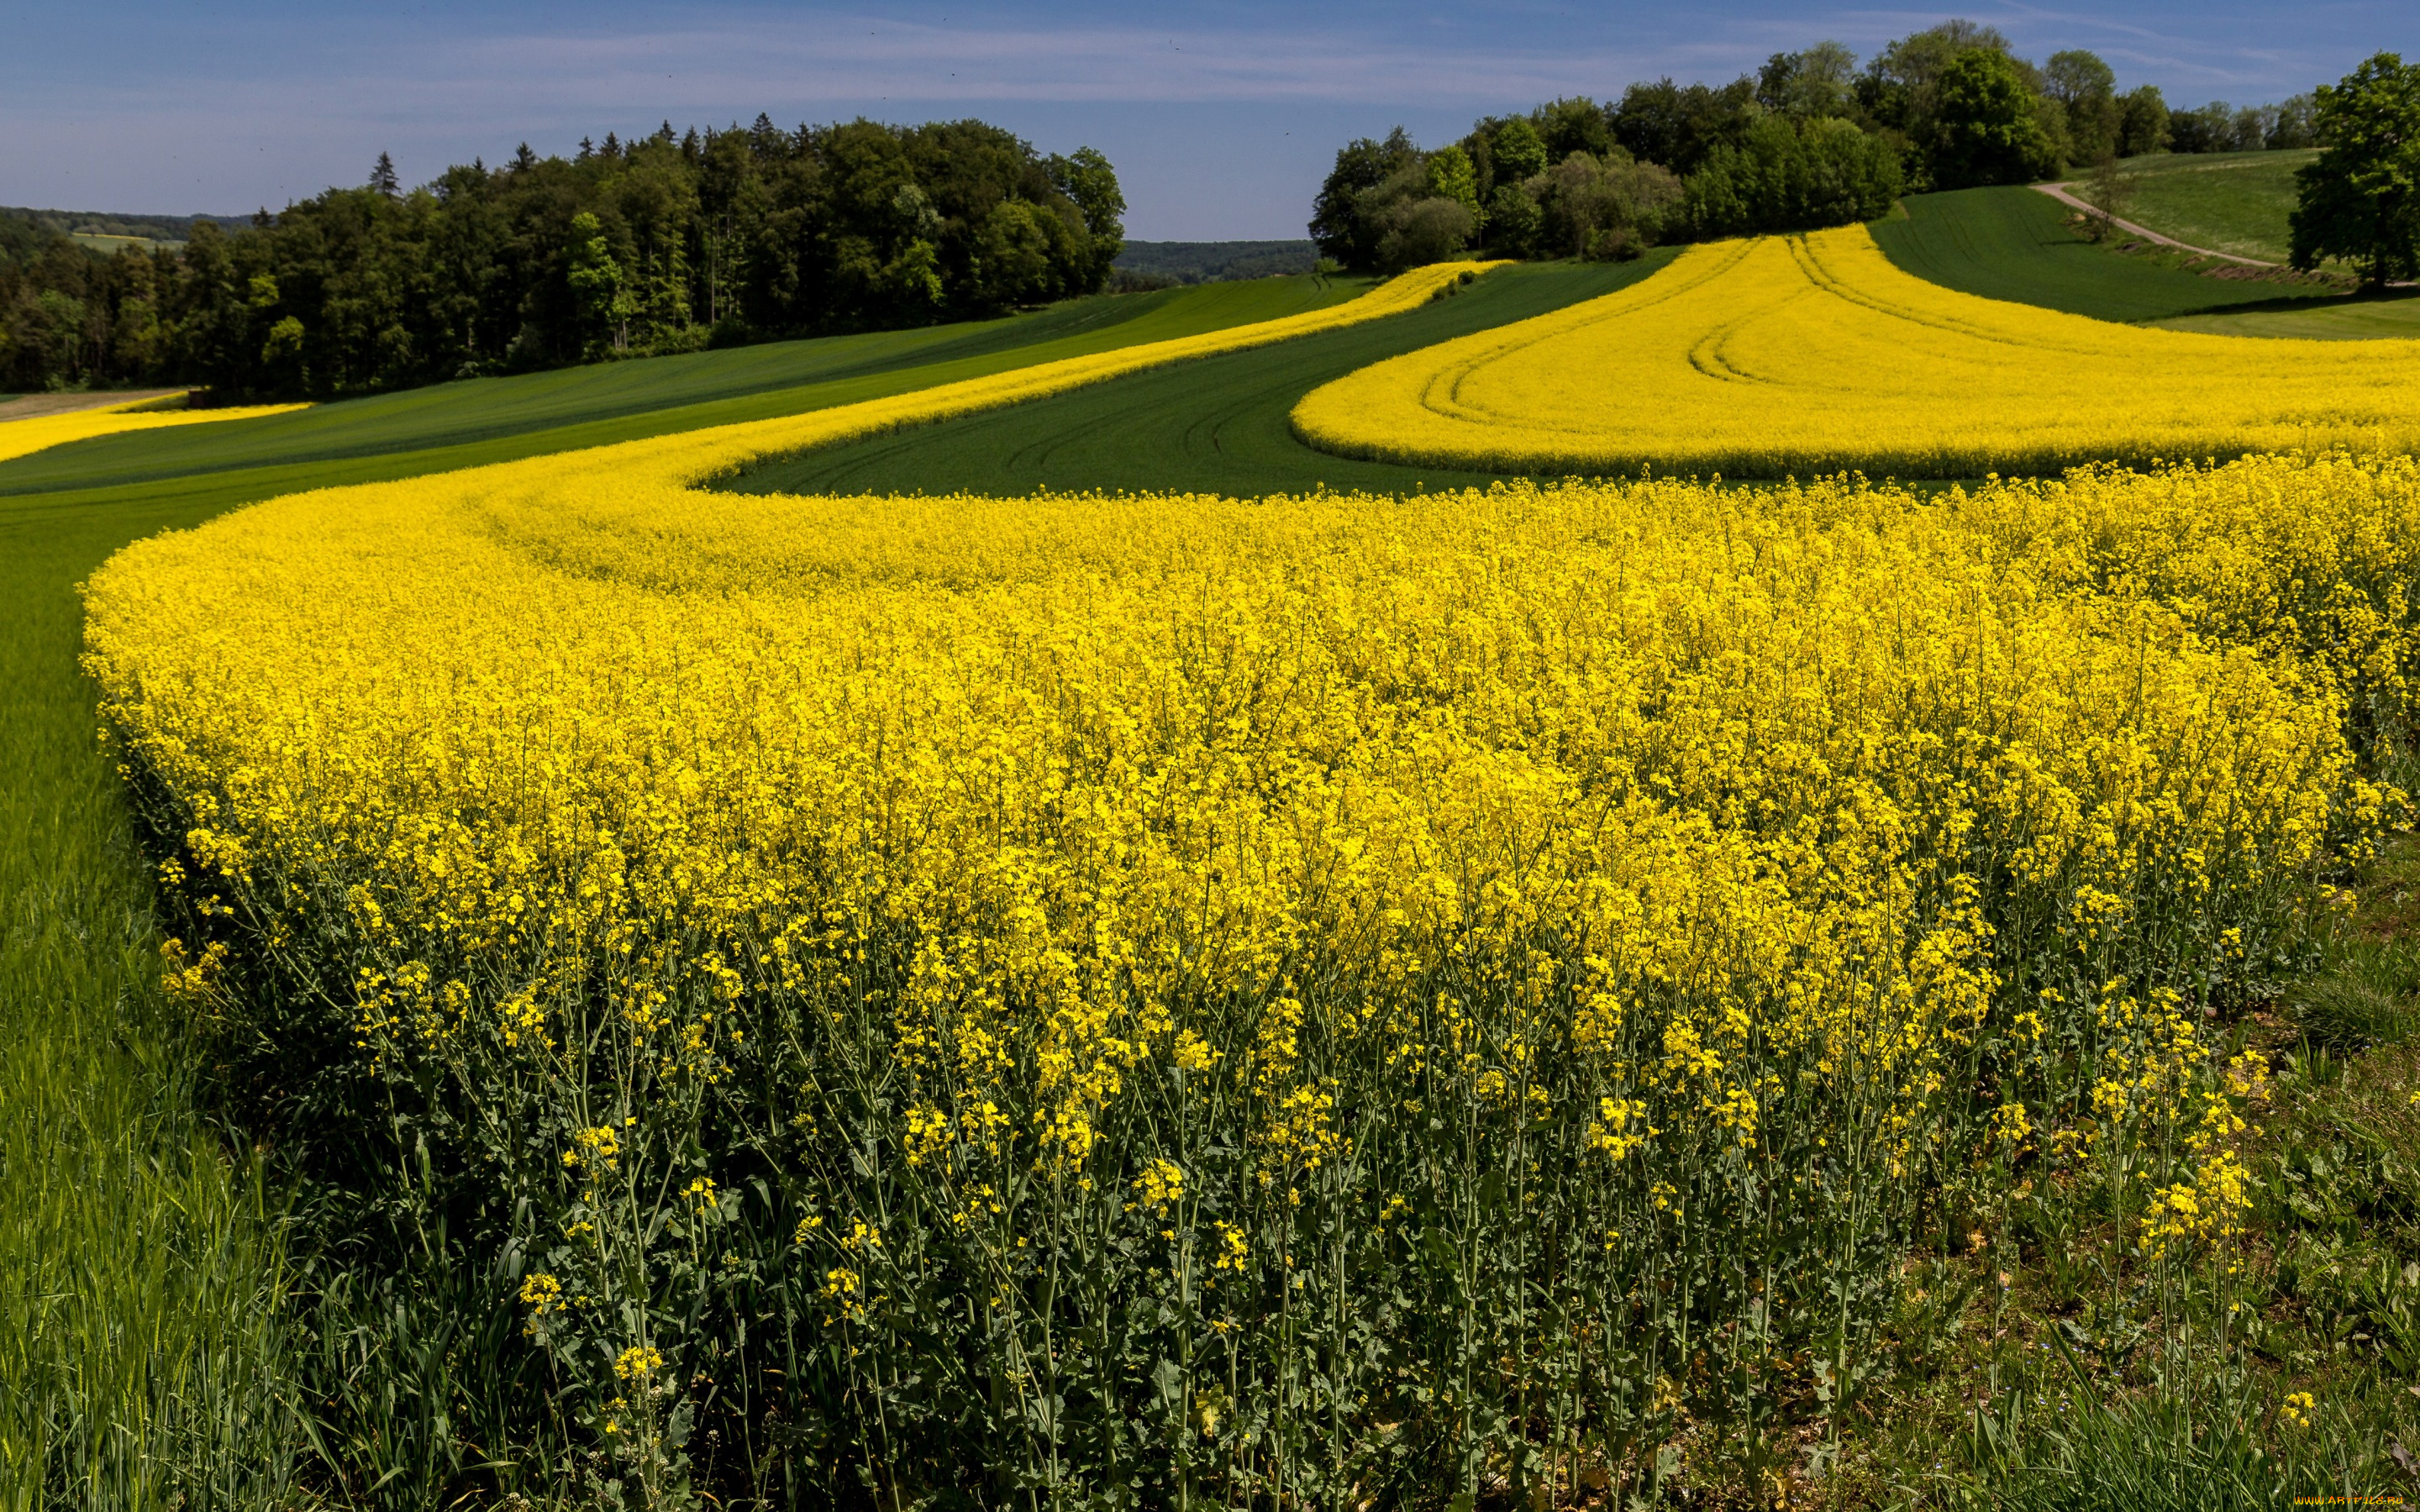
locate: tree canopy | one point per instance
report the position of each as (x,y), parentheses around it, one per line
(2360,200)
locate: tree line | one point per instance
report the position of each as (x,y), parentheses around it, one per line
(664,243)
(1810,140)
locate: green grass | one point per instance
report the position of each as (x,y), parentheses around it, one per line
(2391,314)
(1214,425)
(2231,202)
(2015,244)
(589,405)
(141,1336)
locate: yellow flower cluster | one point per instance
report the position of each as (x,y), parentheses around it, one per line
(21,437)
(1240,904)
(1810,354)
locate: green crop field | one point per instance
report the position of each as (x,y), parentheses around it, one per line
(591,406)
(2231,202)
(1215,425)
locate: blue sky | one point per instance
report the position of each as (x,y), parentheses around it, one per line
(1221,118)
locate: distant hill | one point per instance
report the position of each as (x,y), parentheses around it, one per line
(1211,262)
(104,230)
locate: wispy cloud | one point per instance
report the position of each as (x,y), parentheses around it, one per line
(856,58)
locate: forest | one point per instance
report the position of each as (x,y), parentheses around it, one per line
(661,244)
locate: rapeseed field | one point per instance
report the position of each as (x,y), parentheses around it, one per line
(1324,998)
(1812,354)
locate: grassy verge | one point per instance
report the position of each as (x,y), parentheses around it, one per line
(142,1347)
(1218,425)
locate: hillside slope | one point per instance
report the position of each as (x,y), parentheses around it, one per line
(489,418)
(1219,426)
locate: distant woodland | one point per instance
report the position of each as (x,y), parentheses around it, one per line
(662,244)
(1165,264)
(1812,139)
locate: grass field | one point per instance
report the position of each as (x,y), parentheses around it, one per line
(482,420)
(2231,202)
(2015,244)
(1218,425)
(2394,315)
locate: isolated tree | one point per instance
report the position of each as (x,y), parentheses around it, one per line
(383,179)
(2109,190)
(1986,128)
(2360,200)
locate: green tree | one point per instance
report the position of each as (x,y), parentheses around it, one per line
(2295,124)
(597,283)
(2087,91)
(1519,151)
(1812,84)
(1573,123)
(1792,175)
(1452,176)
(2209,129)
(1678,126)
(1899,91)
(1087,180)
(1341,222)
(1413,232)
(1986,128)
(1601,205)
(2142,121)
(2360,201)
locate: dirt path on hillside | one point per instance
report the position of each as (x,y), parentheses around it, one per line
(34,405)
(2060,193)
